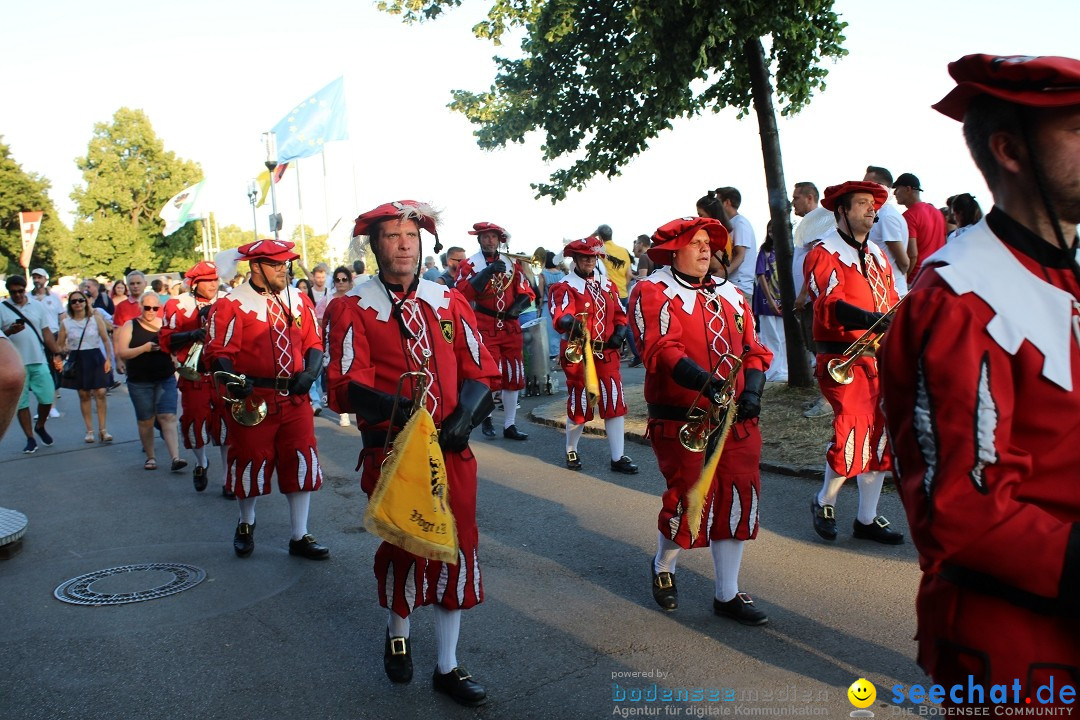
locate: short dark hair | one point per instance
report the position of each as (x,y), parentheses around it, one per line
(809,188)
(358,267)
(156,284)
(731,195)
(604,232)
(710,203)
(985,116)
(454,248)
(880,175)
(15,281)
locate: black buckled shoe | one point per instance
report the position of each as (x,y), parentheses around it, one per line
(878,531)
(512,433)
(664,591)
(624,465)
(199,478)
(573,462)
(397,659)
(243,541)
(460,686)
(740,608)
(307,547)
(487,428)
(824,519)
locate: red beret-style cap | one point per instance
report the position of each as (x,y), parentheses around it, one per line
(1042,82)
(267,249)
(833,193)
(424,215)
(203,270)
(483,227)
(591,245)
(677,234)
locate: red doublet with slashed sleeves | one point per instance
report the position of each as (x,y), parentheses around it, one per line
(502,335)
(366,345)
(267,336)
(671,321)
(835,272)
(201,421)
(982,367)
(569,297)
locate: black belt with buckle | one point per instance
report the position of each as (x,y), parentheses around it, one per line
(667,412)
(280,384)
(495,314)
(598,347)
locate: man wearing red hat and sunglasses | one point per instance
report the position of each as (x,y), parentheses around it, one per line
(183,326)
(692,329)
(266,336)
(397,323)
(851,285)
(499,293)
(982,400)
(585,299)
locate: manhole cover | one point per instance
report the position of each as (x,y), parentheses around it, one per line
(127,584)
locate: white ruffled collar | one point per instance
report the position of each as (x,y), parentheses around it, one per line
(371,295)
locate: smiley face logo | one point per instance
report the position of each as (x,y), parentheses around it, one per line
(862,693)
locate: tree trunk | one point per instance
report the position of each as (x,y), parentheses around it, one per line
(779,212)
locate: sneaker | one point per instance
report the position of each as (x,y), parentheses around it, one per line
(53,413)
(821,408)
(46,438)
(31,446)
(343,420)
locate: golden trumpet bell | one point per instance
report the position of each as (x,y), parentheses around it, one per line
(189,370)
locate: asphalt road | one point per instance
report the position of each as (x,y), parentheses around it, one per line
(568,629)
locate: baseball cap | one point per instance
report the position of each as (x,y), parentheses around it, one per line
(40,271)
(908,180)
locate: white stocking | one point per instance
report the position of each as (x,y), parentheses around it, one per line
(447,629)
(727,559)
(616,436)
(667,554)
(299,503)
(510,399)
(247,510)
(869,491)
(397,625)
(573,434)
(200,457)
(831,488)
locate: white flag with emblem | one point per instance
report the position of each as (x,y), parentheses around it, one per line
(29,224)
(182,208)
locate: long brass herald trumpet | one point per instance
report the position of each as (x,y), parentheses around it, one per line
(189,369)
(243,410)
(840,370)
(701,423)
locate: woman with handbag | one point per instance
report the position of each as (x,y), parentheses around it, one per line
(151,380)
(84,339)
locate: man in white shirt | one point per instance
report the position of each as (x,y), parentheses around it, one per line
(815,222)
(741,271)
(49,298)
(890,232)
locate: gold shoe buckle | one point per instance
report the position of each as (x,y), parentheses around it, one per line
(664,581)
(881,522)
(397,646)
(828,512)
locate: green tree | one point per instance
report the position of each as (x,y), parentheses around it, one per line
(129,177)
(317,249)
(601,78)
(233,236)
(19,191)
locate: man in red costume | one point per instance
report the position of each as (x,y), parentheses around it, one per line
(499,294)
(851,285)
(983,366)
(380,330)
(690,327)
(184,326)
(584,293)
(267,332)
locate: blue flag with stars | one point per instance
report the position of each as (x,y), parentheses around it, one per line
(319,119)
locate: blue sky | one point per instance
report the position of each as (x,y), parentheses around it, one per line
(213,75)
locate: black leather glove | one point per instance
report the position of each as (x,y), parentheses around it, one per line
(236,390)
(570,326)
(474,404)
(313,367)
(618,336)
(691,375)
(376,406)
(182,339)
(518,306)
(480,280)
(204,310)
(749,403)
(853,317)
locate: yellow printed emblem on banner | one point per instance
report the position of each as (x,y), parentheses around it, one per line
(410,506)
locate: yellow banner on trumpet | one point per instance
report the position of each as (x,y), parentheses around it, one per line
(410,506)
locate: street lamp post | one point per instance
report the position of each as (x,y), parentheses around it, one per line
(253,195)
(271,163)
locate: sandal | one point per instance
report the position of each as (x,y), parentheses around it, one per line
(89,437)
(150,464)
(106,437)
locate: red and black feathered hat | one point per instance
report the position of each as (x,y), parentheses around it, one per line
(483,227)
(677,234)
(203,270)
(591,245)
(1042,82)
(423,214)
(833,193)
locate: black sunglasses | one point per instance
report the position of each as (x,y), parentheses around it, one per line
(150,307)
(341,279)
(76,301)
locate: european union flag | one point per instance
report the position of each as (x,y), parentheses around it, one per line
(316,121)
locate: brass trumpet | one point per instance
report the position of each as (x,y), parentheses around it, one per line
(701,423)
(840,370)
(242,410)
(575,346)
(189,370)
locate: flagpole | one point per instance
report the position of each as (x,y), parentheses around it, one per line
(325,194)
(271,163)
(215,245)
(300,208)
